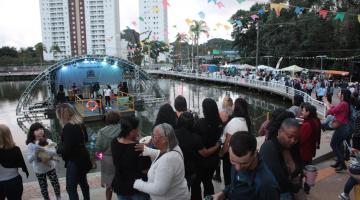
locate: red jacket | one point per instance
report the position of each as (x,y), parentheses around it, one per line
(309,139)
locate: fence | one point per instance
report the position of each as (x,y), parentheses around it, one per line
(271,87)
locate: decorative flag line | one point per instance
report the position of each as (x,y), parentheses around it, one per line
(278,7)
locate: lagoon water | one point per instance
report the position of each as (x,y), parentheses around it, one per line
(193,91)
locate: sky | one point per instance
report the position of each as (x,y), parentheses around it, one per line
(20,19)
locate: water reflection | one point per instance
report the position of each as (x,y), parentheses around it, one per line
(195,92)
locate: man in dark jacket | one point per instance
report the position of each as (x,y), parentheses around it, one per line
(251,179)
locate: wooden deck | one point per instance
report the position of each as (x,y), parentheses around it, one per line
(98,114)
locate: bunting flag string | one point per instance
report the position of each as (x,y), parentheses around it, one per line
(202,15)
(278,7)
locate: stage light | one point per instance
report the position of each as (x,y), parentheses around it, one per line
(64,67)
(85,61)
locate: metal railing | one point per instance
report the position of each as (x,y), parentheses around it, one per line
(125,99)
(271,87)
(81,104)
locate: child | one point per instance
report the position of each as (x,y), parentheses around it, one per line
(41,154)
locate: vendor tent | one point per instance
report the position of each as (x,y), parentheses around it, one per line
(264,67)
(292,68)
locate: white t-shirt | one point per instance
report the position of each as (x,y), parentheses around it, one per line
(107,92)
(236,124)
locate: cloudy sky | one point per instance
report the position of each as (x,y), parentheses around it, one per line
(20,19)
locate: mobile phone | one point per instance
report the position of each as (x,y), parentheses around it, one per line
(209,197)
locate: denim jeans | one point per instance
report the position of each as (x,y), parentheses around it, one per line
(286,196)
(349,185)
(11,189)
(75,177)
(337,139)
(139,196)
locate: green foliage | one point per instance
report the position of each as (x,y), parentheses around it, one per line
(8,51)
(304,35)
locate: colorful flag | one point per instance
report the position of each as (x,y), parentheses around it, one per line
(188,21)
(240,1)
(340,16)
(277,7)
(220,4)
(227,27)
(238,23)
(209,1)
(141,18)
(202,14)
(261,12)
(323,13)
(299,10)
(254,17)
(165,4)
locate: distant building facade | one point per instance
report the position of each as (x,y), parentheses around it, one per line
(154,18)
(80,27)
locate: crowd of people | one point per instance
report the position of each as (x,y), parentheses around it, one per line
(185,151)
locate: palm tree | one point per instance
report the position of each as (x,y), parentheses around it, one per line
(40,49)
(55,49)
(196,28)
(180,37)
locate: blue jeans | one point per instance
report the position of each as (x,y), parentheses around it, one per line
(75,177)
(285,196)
(337,139)
(139,196)
(349,185)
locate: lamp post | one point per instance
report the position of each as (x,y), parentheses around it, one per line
(268,59)
(321,61)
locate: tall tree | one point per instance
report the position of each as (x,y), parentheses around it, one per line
(55,49)
(196,28)
(40,49)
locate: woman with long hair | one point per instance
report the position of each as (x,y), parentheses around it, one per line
(11,185)
(240,121)
(74,153)
(103,145)
(166,114)
(129,165)
(209,128)
(341,124)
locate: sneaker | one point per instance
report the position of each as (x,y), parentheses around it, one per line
(344,196)
(340,168)
(335,165)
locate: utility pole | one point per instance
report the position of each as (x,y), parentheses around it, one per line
(321,61)
(257,42)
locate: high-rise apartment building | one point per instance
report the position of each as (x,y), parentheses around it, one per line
(80,27)
(154,18)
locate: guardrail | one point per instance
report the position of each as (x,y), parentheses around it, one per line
(271,87)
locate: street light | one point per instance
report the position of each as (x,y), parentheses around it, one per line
(268,59)
(321,61)
(280,25)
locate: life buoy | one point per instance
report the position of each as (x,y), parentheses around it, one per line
(92,105)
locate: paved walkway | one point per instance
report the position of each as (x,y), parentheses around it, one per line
(329,185)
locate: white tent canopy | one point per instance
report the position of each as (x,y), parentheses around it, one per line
(292,68)
(264,67)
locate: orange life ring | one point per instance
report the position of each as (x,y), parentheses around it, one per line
(92,105)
